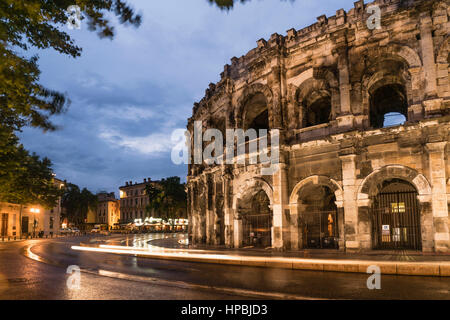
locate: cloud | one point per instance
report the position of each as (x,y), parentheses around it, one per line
(129,94)
(154,144)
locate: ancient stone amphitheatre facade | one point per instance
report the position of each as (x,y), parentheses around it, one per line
(364,120)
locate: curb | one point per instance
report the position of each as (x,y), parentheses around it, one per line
(434,269)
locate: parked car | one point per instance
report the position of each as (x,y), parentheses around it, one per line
(95,230)
(66,231)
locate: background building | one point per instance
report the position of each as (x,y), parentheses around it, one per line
(364,120)
(17,220)
(108,209)
(133,200)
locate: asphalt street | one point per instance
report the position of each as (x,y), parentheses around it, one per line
(37,269)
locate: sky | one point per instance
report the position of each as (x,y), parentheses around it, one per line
(129,94)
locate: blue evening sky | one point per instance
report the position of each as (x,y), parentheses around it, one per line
(129,94)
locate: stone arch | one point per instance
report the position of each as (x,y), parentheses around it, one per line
(371,184)
(249,188)
(392,69)
(318,180)
(243,202)
(312,84)
(249,92)
(444,51)
(296,234)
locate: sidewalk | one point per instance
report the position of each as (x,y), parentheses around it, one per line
(394,263)
(11,239)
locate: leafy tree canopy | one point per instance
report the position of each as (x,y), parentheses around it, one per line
(41,24)
(77,203)
(228,4)
(24,177)
(167,198)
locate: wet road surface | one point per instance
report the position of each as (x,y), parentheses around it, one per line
(110,276)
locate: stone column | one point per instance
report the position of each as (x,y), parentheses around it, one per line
(436,157)
(364,224)
(426,223)
(210,219)
(415,110)
(341,224)
(426,43)
(432,103)
(238,233)
(349,202)
(345,117)
(294,227)
(228,211)
(280,234)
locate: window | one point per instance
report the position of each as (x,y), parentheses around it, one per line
(256,113)
(388,106)
(319,112)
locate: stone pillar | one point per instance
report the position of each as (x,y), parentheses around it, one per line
(426,43)
(341,224)
(345,117)
(238,233)
(294,227)
(349,202)
(364,224)
(280,234)
(426,223)
(432,103)
(436,157)
(415,110)
(209,211)
(228,208)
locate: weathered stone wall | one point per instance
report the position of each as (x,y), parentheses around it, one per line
(341,61)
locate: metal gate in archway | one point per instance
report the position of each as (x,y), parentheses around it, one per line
(257,223)
(396,218)
(320,229)
(257,230)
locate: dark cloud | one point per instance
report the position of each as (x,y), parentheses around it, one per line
(129,94)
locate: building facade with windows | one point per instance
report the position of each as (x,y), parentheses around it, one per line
(364,121)
(134,200)
(108,210)
(30,220)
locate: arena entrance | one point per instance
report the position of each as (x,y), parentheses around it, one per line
(257,223)
(318,218)
(396,217)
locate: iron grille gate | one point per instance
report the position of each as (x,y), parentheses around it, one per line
(396,221)
(320,229)
(257,230)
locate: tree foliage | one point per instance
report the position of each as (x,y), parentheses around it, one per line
(41,24)
(167,198)
(24,177)
(76,203)
(229,4)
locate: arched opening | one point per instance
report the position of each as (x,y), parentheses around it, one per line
(318,112)
(388,106)
(318,218)
(396,217)
(257,222)
(256,113)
